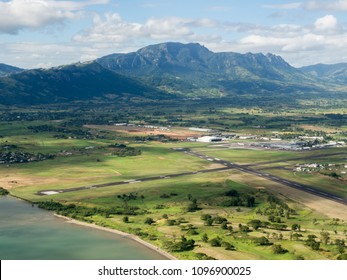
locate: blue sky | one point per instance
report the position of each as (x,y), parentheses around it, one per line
(45,33)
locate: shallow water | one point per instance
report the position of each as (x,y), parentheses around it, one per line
(29,233)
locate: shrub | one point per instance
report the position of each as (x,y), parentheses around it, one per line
(216,242)
(278,249)
(149,221)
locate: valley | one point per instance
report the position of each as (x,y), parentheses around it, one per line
(141,169)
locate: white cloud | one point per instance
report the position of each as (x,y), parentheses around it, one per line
(19,14)
(113,29)
(288,6)
(340,5)
(323,41)
(326,23)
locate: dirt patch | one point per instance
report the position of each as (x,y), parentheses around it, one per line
(174,132)
(214,166)
(319,128)
(14,181)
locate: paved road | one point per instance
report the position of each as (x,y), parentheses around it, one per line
(134,181)
(289,183)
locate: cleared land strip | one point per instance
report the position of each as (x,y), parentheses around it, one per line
(133,181)
(298,158)
(292,184)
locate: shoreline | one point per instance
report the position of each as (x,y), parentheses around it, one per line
(119,233)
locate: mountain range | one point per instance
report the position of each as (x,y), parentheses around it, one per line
(167,70)
(8,69)
(335,73)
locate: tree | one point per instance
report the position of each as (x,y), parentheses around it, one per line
(126,219)
(278,249)
(324,237)
(340,245)
(204,238)
(296,227)
(192,207)
(342,257)
(209,222)
(4,191)
(228,246)
(311,242)
(149,221)
(243,228)
(204,217)
(224,225)
(255,224)
(216,242)
(262,241)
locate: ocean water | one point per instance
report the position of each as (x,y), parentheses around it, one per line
(29,233)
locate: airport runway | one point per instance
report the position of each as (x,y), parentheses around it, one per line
(133,181)
(289,183)
(228,165)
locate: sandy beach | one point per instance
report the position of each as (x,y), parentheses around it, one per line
(120,233)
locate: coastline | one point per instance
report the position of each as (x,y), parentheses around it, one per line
(120,233)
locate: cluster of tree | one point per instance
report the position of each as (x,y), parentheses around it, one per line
(311,242)
(165,195)
(276,210)
(159,137)
(42,115)
(190,229)
(3,191)
(238,199)
(209,221)
(262,241)
(81,212)
(123,150)
(128,197)
(22,157)
(218,242)
(183,245)
(193,204)
(173,222)
(65,132)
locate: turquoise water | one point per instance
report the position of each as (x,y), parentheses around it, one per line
(29,233)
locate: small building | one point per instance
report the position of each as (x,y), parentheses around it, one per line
(209,139)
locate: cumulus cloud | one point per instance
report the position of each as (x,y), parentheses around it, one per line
(113,29)
(37,55)
(19,14)
(322,41)
(328,22)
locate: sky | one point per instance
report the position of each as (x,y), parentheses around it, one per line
(47,33)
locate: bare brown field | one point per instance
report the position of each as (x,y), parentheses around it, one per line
(320,128)
(174,132)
